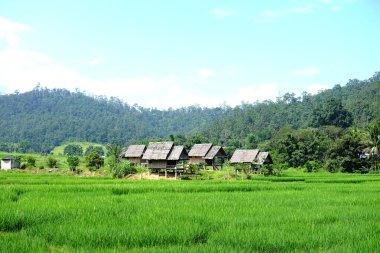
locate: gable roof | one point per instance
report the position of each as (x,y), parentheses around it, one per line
(135,151)
(158,150)
(200,149)
(8,158)
(215,151)
(178,153)
(244,156)
(264,157)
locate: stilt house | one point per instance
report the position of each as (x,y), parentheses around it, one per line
(164,155)
(134,154)
(208,154)
(264,158)
(251,157)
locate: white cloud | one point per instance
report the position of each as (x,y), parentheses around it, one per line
(306,71)
(23,69)
(336,8)
(317,88)
(222,13)
(96,61)
(9,31)
(206,73)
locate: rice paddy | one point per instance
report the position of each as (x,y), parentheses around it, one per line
(299,213)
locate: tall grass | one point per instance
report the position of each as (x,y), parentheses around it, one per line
(61,213)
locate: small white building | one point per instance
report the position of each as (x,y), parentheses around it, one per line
(9,162)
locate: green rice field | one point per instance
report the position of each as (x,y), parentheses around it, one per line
(297,212)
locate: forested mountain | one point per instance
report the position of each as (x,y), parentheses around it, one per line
(41,119)
(354,105)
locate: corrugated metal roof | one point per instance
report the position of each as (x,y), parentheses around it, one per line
(178,153)
(215,151)
(244,156)
(158,150)
(134,151)
(200,149)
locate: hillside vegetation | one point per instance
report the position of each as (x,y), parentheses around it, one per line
(332,127)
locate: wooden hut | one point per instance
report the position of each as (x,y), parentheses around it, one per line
(165,156)
(263,158)
(134,154)
(244,157)
(251,157)
(177,155)
(157,153)
(208,154)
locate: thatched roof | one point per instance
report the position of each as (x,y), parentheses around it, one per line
(244,156)
(200,149)
(134,151)
(264,157)
(178,153)
(215,151)
(158,150)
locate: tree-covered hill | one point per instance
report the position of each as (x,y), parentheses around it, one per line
(41,119)
(354,105)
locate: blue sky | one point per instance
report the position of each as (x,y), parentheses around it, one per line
(171,53)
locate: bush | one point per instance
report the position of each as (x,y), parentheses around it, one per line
(51,162)
(333,166)
(31,161)
(73,162)
(23,166)
(94,160)
(312,166)
(123,169)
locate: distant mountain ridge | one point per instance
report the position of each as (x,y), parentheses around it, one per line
(41,119)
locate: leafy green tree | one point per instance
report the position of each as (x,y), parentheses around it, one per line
(51,162)
(73,162)
(374,133)
(98,149)
(331,112)
(348,151)
(73,149)
(31,161)
(250,141)
(94,160)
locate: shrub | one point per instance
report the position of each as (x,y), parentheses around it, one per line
(31,161)
(94,160)
(333,166)
(51,162)
(312,166)
(123,169)
(73,162)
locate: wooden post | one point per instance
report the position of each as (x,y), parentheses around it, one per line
(175,172)
(166,173)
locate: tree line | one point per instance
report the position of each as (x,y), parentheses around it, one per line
(299,130)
